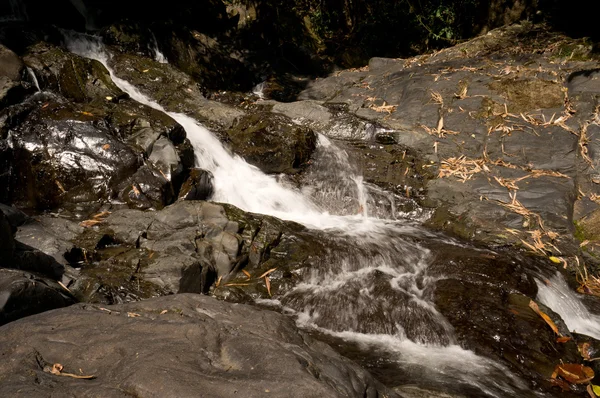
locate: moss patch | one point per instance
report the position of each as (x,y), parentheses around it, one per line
(528,95)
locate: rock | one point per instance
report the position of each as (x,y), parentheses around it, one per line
(147,188)
(173,89)
(7,244)
(198,186)
(212,340)
(272,142)
(23,294)
(11,72)
(76,78)
(489,311)
(65,155)
(165,158)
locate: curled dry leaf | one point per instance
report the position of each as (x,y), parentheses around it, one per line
(164,312)
(533,305)
(57,370)
(132,315)
(574,373)
(563,339)
(268,284)
(247,273)
(89,223)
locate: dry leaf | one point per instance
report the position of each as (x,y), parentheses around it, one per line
(268,284)
(132,315)
(574,373)
(563,339)
(164,312)
(86,113)
(106,147)
(267,273)
(533,305)
(585,350)
(135,190)
(57,369)
(89,223)
(60,186)
(247,273)
(236,284)
(218,281)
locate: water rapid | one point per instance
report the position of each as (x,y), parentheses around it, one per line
(342,295)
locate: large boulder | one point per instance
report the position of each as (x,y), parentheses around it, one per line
(197,344)
(12,71)
(272,142)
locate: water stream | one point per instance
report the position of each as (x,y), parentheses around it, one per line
(341,295)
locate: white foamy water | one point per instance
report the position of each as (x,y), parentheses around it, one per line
(340,291)
(557,295)
(158,55)
(34,78)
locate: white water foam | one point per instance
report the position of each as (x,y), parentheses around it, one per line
(34,78)
(158,55)
(557,295)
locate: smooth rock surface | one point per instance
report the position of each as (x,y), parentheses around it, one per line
(176,346)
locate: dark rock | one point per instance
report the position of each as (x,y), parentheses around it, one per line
(173,89)
(489,311)
(212,340)
(198,186)
(7,244)
(23,294)
(76,78)
(65,155)
(147,188)
(11,72)
(273,143)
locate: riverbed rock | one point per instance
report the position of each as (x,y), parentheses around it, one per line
(246,350)
(23,294)
(12,70)
(271,142)
(198,186)
(487,298)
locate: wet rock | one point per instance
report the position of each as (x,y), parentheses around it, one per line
(486,300)
(12,70)
(173,89)
(23,294)
(65,155)
(147,188)
(76,78)
(198,186)
(272,142)
(7,244)
(165,158)
(213,340)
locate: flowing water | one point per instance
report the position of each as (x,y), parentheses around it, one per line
(556,294)
(374,292)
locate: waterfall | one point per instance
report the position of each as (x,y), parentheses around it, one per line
(158,55)
(34,78)
(557,295)
(338,292)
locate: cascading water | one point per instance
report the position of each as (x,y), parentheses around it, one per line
(341,294)
(557,295)
(158,55)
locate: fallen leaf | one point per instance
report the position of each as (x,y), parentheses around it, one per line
(555,260)
(267,273)
(89,223)
(268,284)
(60,186)
(164,312)
(57,369)
(574,373)
(45,105)
(247,273)
(135,190)
(591,392)
(145,70)
(596,389)
(218,281)
(101,215)
(236,284)
(132,315)
(533,305)
(106,147)
(109,98)
(86,113)
(585,350)
(563,339)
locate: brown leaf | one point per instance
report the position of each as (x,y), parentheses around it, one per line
(574,373)
(236,284)
(585,350)
(89,223)
(106,147)
(101,215)
(268,284)
(267,273)
(60,186)
(247,273)
(164,312)
(534,307)
(56,369)
(563,339)
(218,281)
(132,315)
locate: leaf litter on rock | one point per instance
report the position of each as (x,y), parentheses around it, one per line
(57,370)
